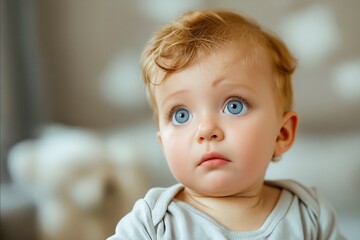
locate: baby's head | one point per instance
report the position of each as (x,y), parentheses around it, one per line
(197,34)
(220,89)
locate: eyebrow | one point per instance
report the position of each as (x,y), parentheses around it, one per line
(172,95)
(218,81)
(226,81)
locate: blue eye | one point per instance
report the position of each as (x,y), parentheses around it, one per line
(235,107)
(181,116)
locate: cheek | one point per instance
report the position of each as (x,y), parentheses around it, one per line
(169,143)
(175,155)
(255,141)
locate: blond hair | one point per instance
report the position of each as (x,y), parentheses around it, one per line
(178,44)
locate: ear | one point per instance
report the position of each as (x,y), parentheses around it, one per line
(158,137)
(287,133)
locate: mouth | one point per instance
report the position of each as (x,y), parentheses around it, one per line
(213,159)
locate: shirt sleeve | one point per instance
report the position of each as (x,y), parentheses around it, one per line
(328,228)
(136,225)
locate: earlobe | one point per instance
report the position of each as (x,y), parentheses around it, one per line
(287,133)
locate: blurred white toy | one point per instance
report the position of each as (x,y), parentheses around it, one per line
(80,182)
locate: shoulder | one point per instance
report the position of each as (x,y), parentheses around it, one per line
(308,196)
(158,200)
(141,222)
(316,205)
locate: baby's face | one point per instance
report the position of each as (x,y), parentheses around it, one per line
(218,122)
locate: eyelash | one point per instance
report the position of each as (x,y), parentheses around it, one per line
(173,109)
(235,97)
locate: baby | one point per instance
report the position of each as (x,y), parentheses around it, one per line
(220,89)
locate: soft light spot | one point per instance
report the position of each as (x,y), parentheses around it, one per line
(346,80)
(311,34)
(52,216)
(165,11)
(87,191)
(121,82)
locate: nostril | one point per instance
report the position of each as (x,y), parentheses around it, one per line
(208,133)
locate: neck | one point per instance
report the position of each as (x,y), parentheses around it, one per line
(249,200)
(240,212)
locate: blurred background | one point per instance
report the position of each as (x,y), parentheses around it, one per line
(78,142)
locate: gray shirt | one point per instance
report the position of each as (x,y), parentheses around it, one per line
(301,213)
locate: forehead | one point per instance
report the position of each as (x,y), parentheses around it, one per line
(235,65)
(244,55)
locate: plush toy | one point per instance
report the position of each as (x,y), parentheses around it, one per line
(81,182)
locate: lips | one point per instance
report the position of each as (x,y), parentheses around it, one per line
(213,159)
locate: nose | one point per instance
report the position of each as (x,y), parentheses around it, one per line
(209,131)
